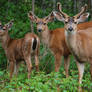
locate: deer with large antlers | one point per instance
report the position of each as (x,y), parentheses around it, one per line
(78,41)
(55,39)
(19,49)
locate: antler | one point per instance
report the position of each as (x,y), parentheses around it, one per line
(30,13)
(0,23)
(60,10)
(83,9)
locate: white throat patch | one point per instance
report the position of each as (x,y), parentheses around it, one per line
(68,33)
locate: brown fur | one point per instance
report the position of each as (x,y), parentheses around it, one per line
(80,45)
(82,39)
(17,50)
(78,38)
(55,40)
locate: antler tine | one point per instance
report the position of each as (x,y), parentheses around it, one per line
(0,23)
(30,12)
(83,9)
(60,10)
(59,6)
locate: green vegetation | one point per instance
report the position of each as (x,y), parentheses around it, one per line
(42,82)
(46,80)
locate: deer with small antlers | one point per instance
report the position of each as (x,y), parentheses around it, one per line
(17,50)
(55,39)
(78,41)
(52,39)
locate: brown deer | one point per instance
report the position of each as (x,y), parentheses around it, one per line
(55,39)
(19,49)
(78,42)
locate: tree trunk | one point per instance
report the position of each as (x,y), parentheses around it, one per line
(54,4)
(33,2)
(89,4)
(75,6)
(32,27)
(43,7)
(80,4)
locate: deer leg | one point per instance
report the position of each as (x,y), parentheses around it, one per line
(29,65)
(37,63)
(11,68)
(7,64)
(66,65)
(81,71)
(57,61)
(16,67)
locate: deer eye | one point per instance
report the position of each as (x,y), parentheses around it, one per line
(44,23)
(4,29)
(66,22)
(36,23)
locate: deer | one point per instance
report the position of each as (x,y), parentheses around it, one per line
(55,39)
(79,41)
(17,50)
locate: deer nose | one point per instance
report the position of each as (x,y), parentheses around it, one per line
(70,28)
(39,30)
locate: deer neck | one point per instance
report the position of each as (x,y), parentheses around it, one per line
(71,39)
(45,36)
(73,44)
(5,41)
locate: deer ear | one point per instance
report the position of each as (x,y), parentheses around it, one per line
(9,25)
(83,17)
(50,17)
(58,16)
(32,17)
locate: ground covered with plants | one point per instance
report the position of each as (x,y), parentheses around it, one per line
(45,82)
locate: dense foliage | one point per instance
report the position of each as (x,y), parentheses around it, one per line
(46,80)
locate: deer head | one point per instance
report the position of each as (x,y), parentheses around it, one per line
(4,29)
(41,22)
(71,22)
